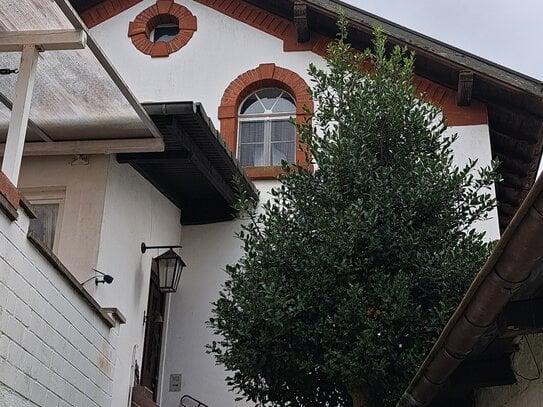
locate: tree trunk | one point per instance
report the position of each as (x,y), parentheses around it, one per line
(359,395)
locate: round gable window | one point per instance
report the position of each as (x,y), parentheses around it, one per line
(164,32)
(162,29)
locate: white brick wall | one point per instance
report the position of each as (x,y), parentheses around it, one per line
(55,349)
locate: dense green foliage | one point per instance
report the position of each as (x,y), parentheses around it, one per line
(350,271)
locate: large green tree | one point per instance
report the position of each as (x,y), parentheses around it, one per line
(353,266)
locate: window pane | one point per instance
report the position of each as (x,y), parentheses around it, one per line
(251,106)
(282,130)
(45,224)
(282,151)
(251,132)
(285,104)
(165,32)
(268,97)
(252,155)
(251,143)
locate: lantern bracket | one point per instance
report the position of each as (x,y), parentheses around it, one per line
(144,247)
(169,266)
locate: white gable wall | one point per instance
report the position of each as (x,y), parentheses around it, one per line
(220,50)
(474,143)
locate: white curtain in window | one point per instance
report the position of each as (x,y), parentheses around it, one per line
(251,143)
(283,136)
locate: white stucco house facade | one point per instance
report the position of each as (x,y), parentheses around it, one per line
(146,163)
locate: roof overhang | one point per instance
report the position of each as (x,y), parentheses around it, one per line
(475,346)
(196,171)
(80,104)
(514,101)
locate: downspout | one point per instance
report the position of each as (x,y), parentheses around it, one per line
(508,267)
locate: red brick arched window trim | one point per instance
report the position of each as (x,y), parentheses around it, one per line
(163,12)
(264,76)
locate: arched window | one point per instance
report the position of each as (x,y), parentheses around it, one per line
(266,135)
(254,114)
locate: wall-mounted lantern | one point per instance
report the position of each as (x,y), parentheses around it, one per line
(169,266)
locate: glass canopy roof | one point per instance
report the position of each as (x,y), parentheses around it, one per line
(78,95)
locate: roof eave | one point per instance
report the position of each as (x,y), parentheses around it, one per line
(508,267)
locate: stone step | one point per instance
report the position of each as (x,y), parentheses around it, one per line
(142,397)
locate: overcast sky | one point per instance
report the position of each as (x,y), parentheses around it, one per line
(507,32)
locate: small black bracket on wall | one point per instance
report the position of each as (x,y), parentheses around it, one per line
(7,71)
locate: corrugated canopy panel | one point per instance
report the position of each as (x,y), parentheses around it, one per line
(75,97)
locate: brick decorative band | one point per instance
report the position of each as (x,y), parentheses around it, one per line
(9,197)
(163,12)
(270,23)
(285,30)
(445,98)
(105,10)
(264,76)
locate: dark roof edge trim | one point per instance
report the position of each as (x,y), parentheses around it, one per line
(423,43)
(421,390)
(173,108)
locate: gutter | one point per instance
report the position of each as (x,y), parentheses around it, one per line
(512,261)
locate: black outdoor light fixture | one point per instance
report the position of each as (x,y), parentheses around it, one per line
(104,278)
(169,266)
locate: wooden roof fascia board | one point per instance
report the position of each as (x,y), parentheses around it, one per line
(199,159)
(421,44)
(191,141)
(425,44)
(232,161)
(44,40)
(203,120)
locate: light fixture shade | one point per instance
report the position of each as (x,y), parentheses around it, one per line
(169,266)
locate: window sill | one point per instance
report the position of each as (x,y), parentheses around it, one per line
(270,172)
(262,173)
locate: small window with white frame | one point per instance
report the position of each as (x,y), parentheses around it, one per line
(48,205)
(266,136)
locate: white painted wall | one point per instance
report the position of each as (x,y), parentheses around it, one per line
(83,188)
(474,143)
(221,49)
(528,391)
(54,348)
(206,250)
(134,212)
